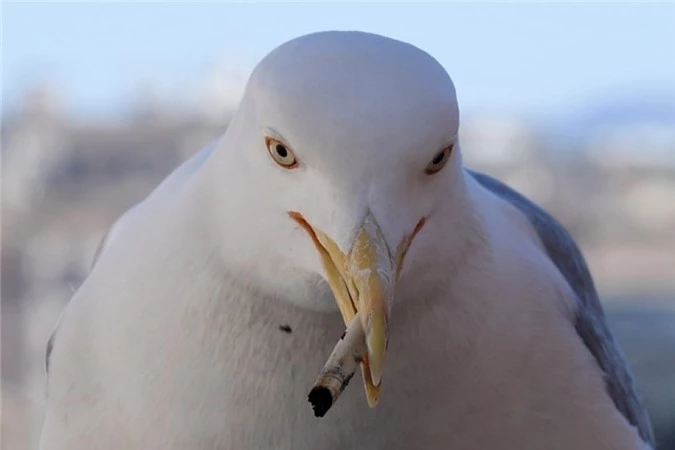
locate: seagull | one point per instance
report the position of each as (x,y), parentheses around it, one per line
(338,191)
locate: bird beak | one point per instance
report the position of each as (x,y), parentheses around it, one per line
(363,282)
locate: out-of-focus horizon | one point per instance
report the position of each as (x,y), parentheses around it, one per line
(572,104)
(519,58)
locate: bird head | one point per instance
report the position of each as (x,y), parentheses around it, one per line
(349,143)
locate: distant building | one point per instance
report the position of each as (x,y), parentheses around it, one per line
(65,182)
(642,145)
(511,150)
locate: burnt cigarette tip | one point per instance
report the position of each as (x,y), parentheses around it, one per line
(321,400)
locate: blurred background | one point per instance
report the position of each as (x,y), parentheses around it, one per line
(573,104)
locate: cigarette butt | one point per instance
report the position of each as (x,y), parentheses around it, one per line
(339,369)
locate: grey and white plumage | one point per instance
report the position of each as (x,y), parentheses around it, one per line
(497,336)
(590,318)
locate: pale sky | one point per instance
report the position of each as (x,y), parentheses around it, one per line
(521,58)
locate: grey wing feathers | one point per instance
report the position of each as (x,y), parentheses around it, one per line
(590,321)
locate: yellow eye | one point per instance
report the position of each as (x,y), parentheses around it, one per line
(281,154)
(440,160)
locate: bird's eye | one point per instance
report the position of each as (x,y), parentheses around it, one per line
(281,154)
(439,161)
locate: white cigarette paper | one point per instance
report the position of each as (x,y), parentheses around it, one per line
(339,369)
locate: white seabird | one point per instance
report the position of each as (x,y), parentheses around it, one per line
(211,306)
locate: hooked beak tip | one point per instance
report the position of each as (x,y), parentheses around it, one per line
(363,282)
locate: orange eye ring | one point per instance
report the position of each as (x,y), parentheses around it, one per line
(281,154)
(439,161)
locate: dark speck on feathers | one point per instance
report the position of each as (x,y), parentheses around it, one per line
(286,329)
(344,333)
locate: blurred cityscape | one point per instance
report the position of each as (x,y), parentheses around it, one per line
(609,177)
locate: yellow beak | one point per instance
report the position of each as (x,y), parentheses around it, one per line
(363,281)
(370,280)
